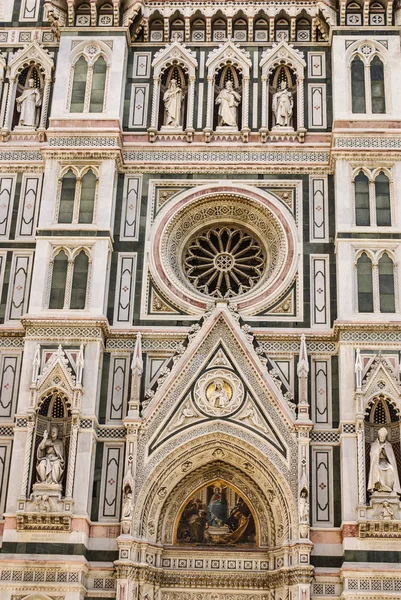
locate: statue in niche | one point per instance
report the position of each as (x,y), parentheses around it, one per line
(127,500)
(303,506)
(28,104)
(50,458)
(172,99)
(283,104)
(383,475)
(228,101)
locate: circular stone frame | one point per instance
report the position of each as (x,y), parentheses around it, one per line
(258,211)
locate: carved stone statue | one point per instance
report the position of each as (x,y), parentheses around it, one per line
(172,99)
(50,458)
(28,104)
(219,397)
(383,475)
(303,507)
(127,501)
(283,103)
(228,101)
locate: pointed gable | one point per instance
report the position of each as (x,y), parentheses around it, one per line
(175,54)
(228,53)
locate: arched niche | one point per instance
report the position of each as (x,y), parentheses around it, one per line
(381,413)
(178,63)
(228,62)
(53,416)
(227,74)
(24,81)
(31,61)
(283,75)
(167,118)
(283,62)
(216,514)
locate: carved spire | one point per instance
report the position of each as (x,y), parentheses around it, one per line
(302,372)
(36,364)
(358,369)
(80,364)
(136,376)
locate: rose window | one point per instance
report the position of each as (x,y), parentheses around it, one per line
(224,261)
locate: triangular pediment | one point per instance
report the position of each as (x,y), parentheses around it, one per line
(175,53)
(220,383)
(31,52)
(282,54)
(380,379)
(229,52)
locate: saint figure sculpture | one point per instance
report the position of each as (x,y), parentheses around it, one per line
(383,474)
(28,104)
(50,458)
(173,104)
(283,104)
(228,101)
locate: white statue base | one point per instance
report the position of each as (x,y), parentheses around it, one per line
(47,489)
(24,129)
(226,129)
(170,129)
(381,517)
(282,129)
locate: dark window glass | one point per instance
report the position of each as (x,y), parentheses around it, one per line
(79,281)
(67,198)
(365,284)
(377,86)
(87,203)
(59,278)
(386,284)
(98,85)
(79,85)
(383,210)
(358,86)
(362,208)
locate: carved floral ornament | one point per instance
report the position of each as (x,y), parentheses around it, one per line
(246,246)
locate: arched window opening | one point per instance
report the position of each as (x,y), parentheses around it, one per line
(79,281)
(354,13)
(98,86)
(178,30)
(105,18)
(283,77)
(79,86)
(87,201)
(83,15)
(303,30)
(358,86)
(67,198)
(365,284)
(227,74)
(198,30)
(59,280)
(52,437)
(28,98)
(240,30)
(261,30)
(362,201)
(282,29)
(377,14)
(386,284)
(381,415)
(383,203)
(156,30)
(219,28)
(377,86)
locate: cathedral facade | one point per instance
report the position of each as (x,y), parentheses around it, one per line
(200,250)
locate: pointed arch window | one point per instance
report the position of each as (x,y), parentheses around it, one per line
(89,82)
(386,284)
(198,30)
(69,279)
(77,198)
(358,86)
(59,280)
(377,86)
(365,284)
(362,199)
(383,202)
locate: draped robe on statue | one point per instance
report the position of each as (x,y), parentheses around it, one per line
(27,105)
(172,101)
(228,101)
(383,475)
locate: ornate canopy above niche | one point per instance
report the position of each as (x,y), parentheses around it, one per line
(224,241)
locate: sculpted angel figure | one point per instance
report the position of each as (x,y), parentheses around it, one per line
(228,101)
(283,103)
(383,475)
(172,99)
(28,104)
(50,458)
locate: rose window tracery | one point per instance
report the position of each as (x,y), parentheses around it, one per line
(224,261)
